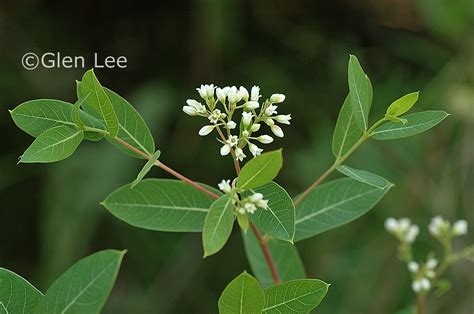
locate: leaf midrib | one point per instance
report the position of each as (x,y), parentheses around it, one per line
(291,300)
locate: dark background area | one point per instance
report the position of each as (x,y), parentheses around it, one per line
(50,214)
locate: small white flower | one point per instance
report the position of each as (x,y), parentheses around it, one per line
(239,154)
(430,274)
(255,127)
(431,263)
(256,197)
(425,284)
(391,224)
(438,226)
(221,93)
(254,149)
(215,116)
(251,105)
(233,95)
(460,227)
(225,149)
(422,284)
(412,233)
(255,93)
(225,187)
(250,208)
(247,118)
(265,139)
(416,286)
(232,140)
(231,125)
(206,91)
(243,93)
(284,119)
(277,98)
(413,267)
(205,130)
(277,130)
(403,225)
(271,110)
(262,204)
(190,110)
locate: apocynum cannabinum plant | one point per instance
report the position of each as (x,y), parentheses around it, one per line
(271,221)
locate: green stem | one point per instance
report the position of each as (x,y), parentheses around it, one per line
(367,134)
(87,128)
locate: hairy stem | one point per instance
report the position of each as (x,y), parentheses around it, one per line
(367,134)
(260,239)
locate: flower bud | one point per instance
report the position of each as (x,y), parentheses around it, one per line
(277,130)
(255,93)
(277,98)
(413,267)
(247,118)
(265,139)
(254,149)
(190,110)
(243,93)
(255,127)
(251,105)
(205,130)
(231,125)
(460,227)
(284,119)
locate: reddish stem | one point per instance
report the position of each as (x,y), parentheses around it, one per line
(263,244)
(266,252)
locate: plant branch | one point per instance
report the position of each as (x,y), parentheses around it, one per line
(367,134)
(420,304)
(263,244)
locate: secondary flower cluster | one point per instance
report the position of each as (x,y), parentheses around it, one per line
(248,204)
(403,229)
(221,105)
(441,228)
(422,275)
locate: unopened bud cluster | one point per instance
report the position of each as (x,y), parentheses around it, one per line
(246,205)
(441,228)
(403,229)
(222,107)
(423,275)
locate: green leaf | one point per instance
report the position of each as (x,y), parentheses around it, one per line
(334,204)
(295,296)
(218,225)
(149,164)
(346,132)
(17,295)
(161,205)
(278,220)
(403,104)
(132,128)
(285,255)
(98,104)
(260,170)
(53,145)
(416,123)
(76,112)
(365,177)
(36,116)
(242,295)
(85,286)
(360,92)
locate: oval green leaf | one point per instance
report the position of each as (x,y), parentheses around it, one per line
(54,144)
(278,220)
(85,286)
(132,128)
(285,256)
(334,204)
(98,104)
(365,177)
(36,116)
(403,104)
(17,295)
(415,123)
(242,295)
(218,225)
(295,296)
(260,170)
(360,91)
(161,205)
(346,132)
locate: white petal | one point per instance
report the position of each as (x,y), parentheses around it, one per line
(190,110)
(265,139)
(277,130)
(205,130)
(225,150)
(277,98)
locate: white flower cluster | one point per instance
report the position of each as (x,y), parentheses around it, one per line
(248,204)
(441,228)
(254,113)
(423,274)
(403,229)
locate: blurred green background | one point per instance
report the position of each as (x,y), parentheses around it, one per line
(50,214)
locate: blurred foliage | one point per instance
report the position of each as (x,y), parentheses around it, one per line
(50,214)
